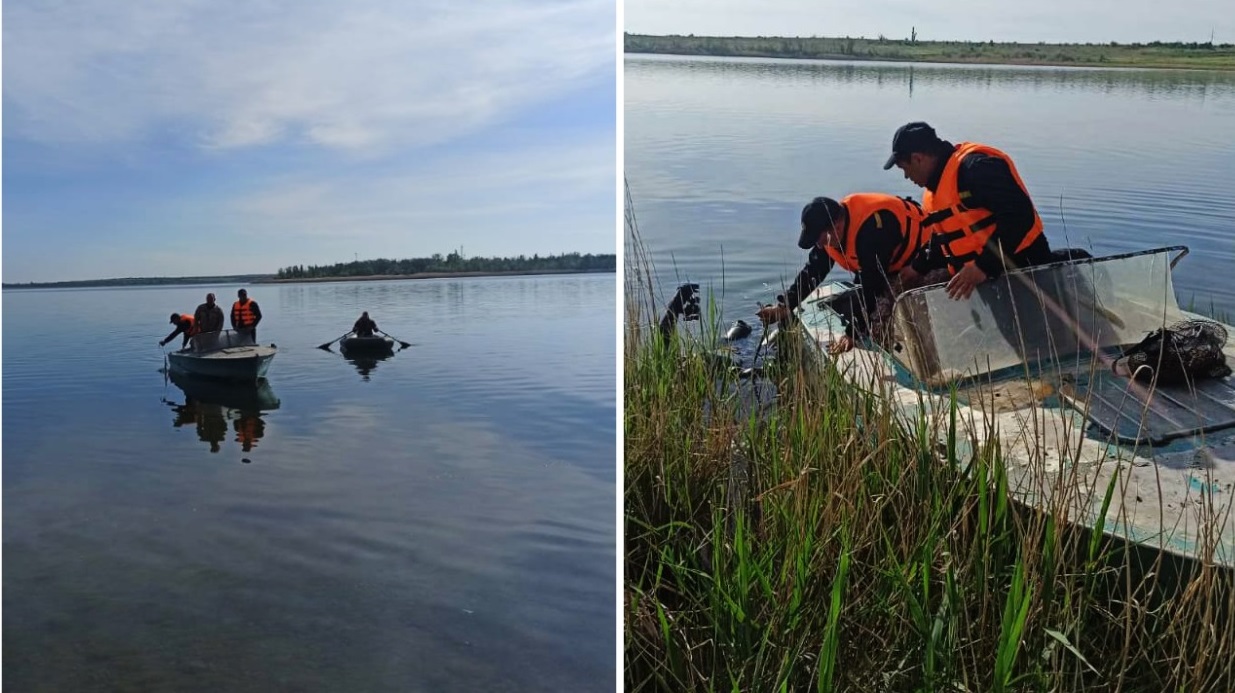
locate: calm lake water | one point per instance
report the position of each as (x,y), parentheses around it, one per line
(721,155)
(440,520)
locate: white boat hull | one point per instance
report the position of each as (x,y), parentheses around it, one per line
(1175,494)
(225,355)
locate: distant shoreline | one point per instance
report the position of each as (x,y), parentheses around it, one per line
(433,275)
(270,279)
(1155,55)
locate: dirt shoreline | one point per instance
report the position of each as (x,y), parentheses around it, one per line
(993,62)
(429,275)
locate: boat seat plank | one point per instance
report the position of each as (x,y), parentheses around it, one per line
(1139,415)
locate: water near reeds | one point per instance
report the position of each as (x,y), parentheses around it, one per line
(721,155)
(439,520)
(826,543)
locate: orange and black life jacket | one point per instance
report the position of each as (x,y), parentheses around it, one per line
(192,329)
(248,431)
(961,232)
(861,206)
(242,314)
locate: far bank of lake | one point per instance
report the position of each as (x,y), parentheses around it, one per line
(1156,54)
(430,275)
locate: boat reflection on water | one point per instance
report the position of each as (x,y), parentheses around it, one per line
(219,410)
(366,364)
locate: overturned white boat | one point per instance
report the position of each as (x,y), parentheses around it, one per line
(1029,360)
(223,355)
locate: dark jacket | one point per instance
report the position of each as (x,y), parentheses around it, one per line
(876,249)
(182,327)
(364,327)
(257,315)
(210,319)
(991,186)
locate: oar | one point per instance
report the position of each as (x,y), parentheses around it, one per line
(326,346)
(400,341)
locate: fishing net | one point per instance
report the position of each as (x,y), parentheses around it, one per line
(1185,351)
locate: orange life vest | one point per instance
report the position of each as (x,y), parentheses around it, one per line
(963,232)
(861,206)
(192,324)
(243,315)
(248,431)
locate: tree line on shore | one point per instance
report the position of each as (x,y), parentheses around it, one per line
(911,48)
(451,263)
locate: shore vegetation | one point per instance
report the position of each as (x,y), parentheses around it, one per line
(1155,54)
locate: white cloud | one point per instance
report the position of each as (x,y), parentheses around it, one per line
(494,191)
(348,75)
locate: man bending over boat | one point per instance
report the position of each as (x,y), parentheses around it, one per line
(364,327)
(980,219)
(184,325)
(872,235)
(246,315)
(208,316)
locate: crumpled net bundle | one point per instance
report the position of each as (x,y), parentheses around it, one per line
(1184,352)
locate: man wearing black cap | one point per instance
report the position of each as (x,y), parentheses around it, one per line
(872,235)
(184,325)
(980,218)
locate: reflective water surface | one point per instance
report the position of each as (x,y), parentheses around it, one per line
(721,155)
(438,519)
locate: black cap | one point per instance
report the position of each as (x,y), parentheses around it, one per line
(910,138)
(819,215)
(175,318)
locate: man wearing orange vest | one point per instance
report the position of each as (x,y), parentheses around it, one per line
(872,235)
(246,314)
(185,324)
(980,219)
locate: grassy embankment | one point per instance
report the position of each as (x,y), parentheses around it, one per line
(827,546)
(1160,55)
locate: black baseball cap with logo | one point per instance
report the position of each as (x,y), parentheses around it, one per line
(910,138)
(819,215)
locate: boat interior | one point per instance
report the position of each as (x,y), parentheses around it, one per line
(1059,330)
(217,341)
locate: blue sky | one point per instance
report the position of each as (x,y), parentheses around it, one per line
(1068,21)
(187,137)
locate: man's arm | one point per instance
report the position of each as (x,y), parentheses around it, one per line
(818,264)
(257,312)
(991,186)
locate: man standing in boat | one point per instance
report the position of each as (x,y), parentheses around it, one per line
(980,219)
(185,324)
(208,316)
(872,235)
(246,315)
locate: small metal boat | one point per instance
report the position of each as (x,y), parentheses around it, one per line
(1026,367)
(223,355)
